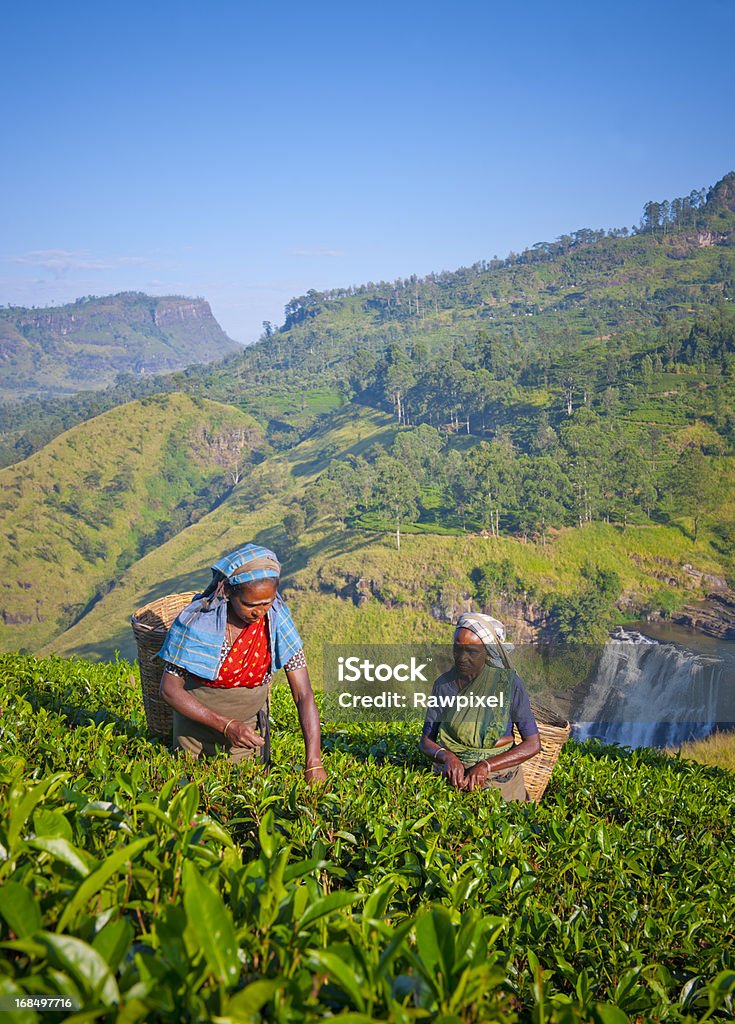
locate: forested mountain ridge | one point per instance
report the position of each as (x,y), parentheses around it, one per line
(345,579)
(531,315)
(557,317)
(85,344)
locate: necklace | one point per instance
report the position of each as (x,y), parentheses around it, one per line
(233,633)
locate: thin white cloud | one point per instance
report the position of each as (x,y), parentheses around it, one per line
(131,261)
(317,251)
(64,261)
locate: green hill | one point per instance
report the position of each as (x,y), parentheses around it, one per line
(86,344)
(576,313)
(354,582)
(76,514)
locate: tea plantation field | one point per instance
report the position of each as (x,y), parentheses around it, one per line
(140,888)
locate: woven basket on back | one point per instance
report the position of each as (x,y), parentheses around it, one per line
(553,733)
(150,625)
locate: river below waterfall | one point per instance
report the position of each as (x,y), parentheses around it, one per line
(657,686)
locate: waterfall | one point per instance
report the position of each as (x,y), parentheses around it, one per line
(646,693)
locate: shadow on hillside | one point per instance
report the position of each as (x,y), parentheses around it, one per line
(121,640)
(336,544)
(293,559)
(309,467)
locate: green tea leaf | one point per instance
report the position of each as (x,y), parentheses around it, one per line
(327,905)
(94,882)
(62,850)
(89,970)
(52,824)
(113,941)
(340,973)
(21,811)
(246,1004)
(20,909)
(211,924)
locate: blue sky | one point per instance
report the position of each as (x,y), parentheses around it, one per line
(247,154)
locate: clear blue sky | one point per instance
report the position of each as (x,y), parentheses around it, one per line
(247,153)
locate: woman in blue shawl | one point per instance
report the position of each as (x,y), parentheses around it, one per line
(220,655)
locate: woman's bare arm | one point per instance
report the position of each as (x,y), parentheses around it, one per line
(303,695)
(173,692)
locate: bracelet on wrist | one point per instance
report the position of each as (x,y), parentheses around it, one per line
(313,767)
(436,752)
(224,731)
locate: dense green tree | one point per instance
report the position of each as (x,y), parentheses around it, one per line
(586,616)
(545,495)
(588,445)
(697,488)
(496,472)
(327,498)
(294,524)
(419,450)
(395,492)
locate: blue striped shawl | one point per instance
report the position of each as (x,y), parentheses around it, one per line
(194,641)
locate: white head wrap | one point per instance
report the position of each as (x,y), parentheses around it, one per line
(483,627)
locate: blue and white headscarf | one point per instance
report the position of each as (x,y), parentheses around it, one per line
(194,641)
(248,563)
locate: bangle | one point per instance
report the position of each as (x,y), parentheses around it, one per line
(224,731)
(433,756)
(313,768)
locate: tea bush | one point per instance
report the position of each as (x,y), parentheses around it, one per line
(145,888)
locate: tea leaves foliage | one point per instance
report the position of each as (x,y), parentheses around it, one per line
(148,888)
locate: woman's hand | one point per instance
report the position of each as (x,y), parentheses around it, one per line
(477,775)
(241,735)
(315,773)
(452,769)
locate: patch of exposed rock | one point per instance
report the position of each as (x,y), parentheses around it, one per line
(715,616)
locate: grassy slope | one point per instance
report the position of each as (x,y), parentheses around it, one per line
(717,750)
(429,570)
(181,564)
(76,511)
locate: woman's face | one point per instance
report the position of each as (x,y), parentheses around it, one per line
(251,601)
(469,655)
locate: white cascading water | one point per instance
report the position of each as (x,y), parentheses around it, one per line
(650,694)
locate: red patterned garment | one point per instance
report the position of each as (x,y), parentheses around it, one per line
(248,661)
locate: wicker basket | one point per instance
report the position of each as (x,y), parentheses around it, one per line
(553,733)
(150,625)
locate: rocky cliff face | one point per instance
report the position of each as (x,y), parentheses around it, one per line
(171,313)
(86,344)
